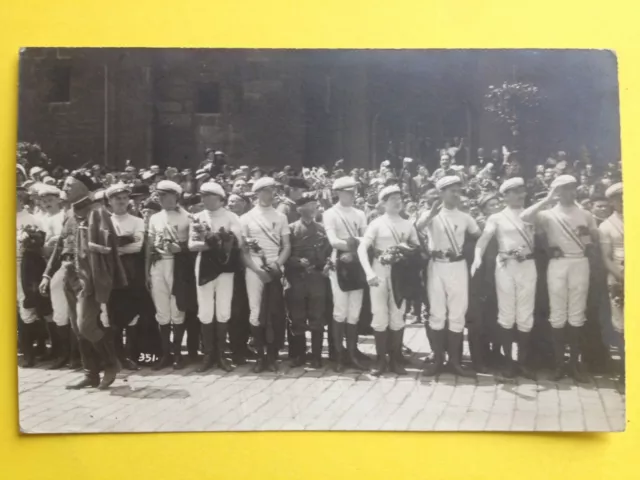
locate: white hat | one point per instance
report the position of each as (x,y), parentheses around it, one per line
(168,186)
(147,175)
(117,188)
(563,180)
(35,171)
(45,189)
(49,180)
(447,181)
(386,191)
(511,183)
(615,189)
(386,163)
(200,174)
(213,188)
(263,182)
(344,183)
(23,171)
(407,160)
(98,195)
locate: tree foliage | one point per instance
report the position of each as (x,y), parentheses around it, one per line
(515,104)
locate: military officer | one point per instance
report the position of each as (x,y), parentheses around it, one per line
(515,272)
(386,231)
(295,189)
(448,277)
(345,225)
(571,233)
(168,235)
(306,295)
(214,275)
(612,246)
(264,258)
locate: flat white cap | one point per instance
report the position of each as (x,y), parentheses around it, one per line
(167,186)
(447,181)
(386,191)
(45,189)
(117,188)
(263,182)
(615,189)
(563,180)
(344,183)
(213,188)
(511,183)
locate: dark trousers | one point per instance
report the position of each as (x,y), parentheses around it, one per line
(239,329)
(306,302)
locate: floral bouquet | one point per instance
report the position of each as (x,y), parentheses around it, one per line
(226,240)
(616,292)
(199,228)
(397,253)
(30,238)
(255,248)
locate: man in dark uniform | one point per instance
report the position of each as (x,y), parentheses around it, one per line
(295,190)
(305,272)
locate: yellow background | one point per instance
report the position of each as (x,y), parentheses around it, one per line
(327,23)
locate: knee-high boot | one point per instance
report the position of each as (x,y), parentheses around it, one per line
(395,355)
(165,339)
(258,342)
(338,344)
(506,340)
(382,344)
(454,346)
(27,339)
(221,339)
(352,346)
(575,367)
(557,337)
(316,348)
(64,347)
(524,345)
(437,341)
(206,331)
(178,335)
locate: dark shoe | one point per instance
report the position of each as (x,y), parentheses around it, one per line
(221,332)
(575,366)
(107,351)
(557,337)
(437,341)
(88,381)
(108,378)
(454,347)
(64,347)
(523,355)
(238,359)
(272,359)
(298,361)
(27,339)
(337,332)
(352,347)
(178,336)
(165,340)
(395,354)
(382,340)
(130,348)
(208,361)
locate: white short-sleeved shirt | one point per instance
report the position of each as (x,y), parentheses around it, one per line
(344,223)
(52,225)
(268,227)
(169,224)
(128,224)
(380,232)
(23,219)
(512,233)
(612,232)
(577,219)
(459,224)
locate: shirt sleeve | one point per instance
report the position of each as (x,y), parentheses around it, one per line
(605,235)
(491,225)
(413,236)
(472,226)
(328,221)
(284,226)
(370,233)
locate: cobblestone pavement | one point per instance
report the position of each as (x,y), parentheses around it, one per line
(305,399)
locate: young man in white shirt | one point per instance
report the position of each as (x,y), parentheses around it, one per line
(168,235)
(612,248)
(344,226)
(386,231)
(515,273)
(270,230)
(571,233)
(448,277)
(126,304)
(214,294)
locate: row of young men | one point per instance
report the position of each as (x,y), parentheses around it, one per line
(301,250)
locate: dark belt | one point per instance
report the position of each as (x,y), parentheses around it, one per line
(506,256)
(446,256)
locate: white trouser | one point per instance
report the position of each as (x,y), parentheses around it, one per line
(346,305)
(214,298)
(617,312)
(255,286)
(161,286)
(59,299)
(568,281)
(28,315)
(383,305)
(516,288)
(448,291)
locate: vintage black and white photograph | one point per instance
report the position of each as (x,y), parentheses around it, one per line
(242,239)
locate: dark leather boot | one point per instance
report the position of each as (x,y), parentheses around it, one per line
(64,347)
(178,335)
(54,338)
(506,340)
(395,354)
(437,340)
(337,331)
(75,362)
(28,351)
(272,359)
(42,332)
(382,342)
(128,361)
(165,342)
(206,331)
(575,367)
(557,337)
(107,352)
(454,346)
(352,347)
(523,355)
(297,349)
(221,339)
(316,348)
(258,342)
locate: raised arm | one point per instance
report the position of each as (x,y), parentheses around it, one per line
(531,213)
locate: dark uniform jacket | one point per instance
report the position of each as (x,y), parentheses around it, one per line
(308,241)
